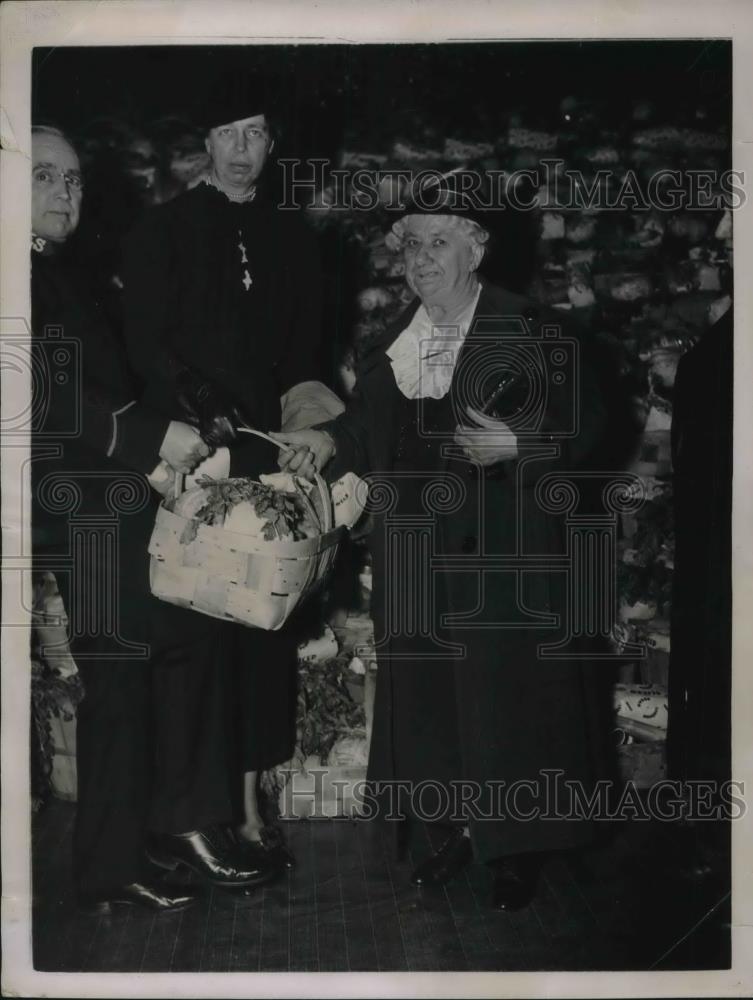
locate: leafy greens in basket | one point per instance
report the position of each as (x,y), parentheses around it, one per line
(285,514)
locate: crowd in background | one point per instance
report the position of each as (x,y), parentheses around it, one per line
(128,167)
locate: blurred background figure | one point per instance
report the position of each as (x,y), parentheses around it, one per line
(119,163)
(181,156)
(140,164)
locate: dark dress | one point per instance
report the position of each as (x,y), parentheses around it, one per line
(494,710)
(151,749)
(233,290)
(424,744)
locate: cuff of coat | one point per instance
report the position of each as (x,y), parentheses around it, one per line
(137,437)
(343,460)
(307,404)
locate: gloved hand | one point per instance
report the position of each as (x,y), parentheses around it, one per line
(211,410)
(182,447)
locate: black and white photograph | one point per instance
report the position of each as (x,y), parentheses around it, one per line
(373,381)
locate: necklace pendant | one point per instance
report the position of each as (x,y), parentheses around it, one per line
(242,248)
(247,280)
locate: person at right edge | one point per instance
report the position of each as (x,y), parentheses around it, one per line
(496,714)
(699,738)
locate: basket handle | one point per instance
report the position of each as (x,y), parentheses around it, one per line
(322,486)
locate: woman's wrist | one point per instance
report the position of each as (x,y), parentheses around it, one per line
(330,439)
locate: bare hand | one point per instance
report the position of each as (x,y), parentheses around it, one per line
(488,444)
(309,451)
(182,447)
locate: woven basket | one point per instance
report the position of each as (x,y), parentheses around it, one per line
(237,577)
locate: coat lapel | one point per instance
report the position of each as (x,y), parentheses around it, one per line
(377,380)
(498,312)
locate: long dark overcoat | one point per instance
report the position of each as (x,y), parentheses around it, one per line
(232,291)
(700,674)
(513,715)
(151,731)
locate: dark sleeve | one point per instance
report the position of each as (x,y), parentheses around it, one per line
(98,403)
(680,414)
(138,434)
(302,359)
(575,417)
(148,278)
(583,410)
(106,423)
(350,432)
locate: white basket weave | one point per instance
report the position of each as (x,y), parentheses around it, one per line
(237,577)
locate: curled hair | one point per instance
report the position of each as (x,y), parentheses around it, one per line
(469,229)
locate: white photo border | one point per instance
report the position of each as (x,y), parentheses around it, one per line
(27,24)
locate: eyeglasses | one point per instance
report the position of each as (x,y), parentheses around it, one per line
(46,176)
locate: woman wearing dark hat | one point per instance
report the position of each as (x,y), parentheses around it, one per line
(222,302)
(464,702)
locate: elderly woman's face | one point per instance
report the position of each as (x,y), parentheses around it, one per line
(438,257)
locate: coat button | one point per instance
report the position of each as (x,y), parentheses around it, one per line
(469,544)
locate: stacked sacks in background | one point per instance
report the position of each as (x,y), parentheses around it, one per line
(640,732)
(641,712)
(335,709)
(644,280)
(55,691)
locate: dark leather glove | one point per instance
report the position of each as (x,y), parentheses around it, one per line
(211,410)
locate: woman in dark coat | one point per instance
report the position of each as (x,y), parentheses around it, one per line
(466,705)
(222,324)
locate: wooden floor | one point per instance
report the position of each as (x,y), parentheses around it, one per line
(349,907)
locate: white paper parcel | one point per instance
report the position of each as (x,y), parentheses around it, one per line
(349,499)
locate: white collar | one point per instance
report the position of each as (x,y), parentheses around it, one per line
(210,179)
(424,356)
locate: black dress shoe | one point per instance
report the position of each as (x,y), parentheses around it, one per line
(271,849)
(452,856)
(275,847)
(255,852)
(157,896)
(514,881)
(211,854)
